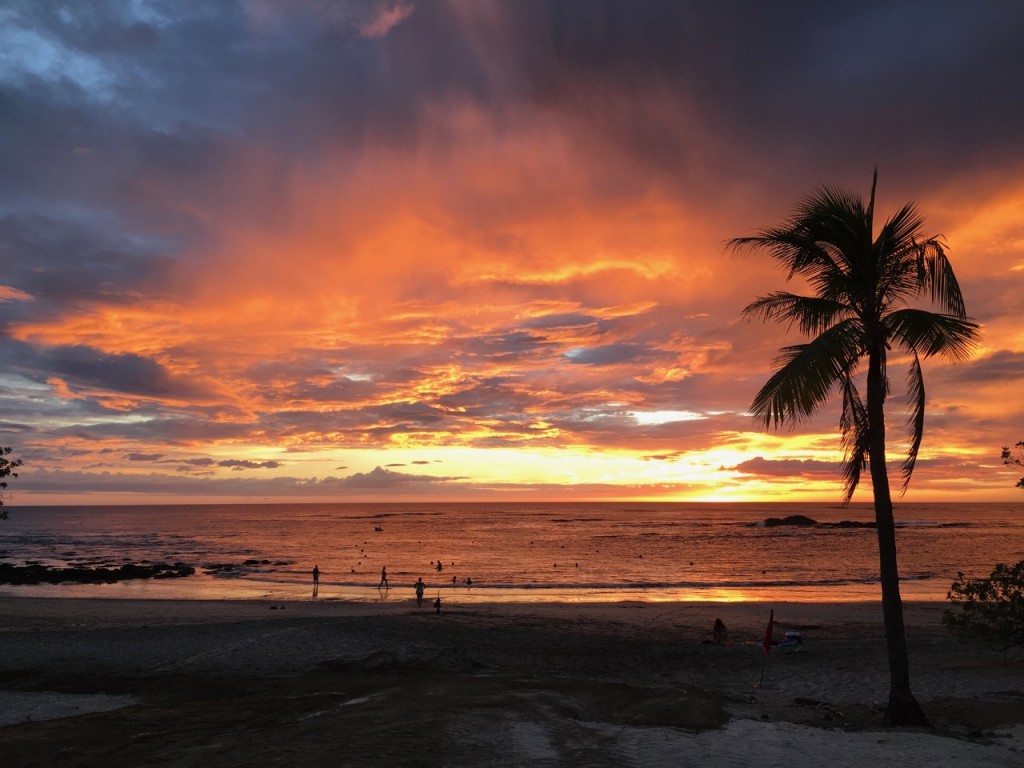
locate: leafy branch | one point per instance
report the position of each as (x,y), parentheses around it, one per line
(7,467)
(1009,459)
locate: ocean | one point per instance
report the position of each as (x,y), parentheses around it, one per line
(553,552)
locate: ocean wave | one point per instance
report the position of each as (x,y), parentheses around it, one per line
(905,577)
(574,586)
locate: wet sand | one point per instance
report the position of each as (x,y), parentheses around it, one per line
(224,683)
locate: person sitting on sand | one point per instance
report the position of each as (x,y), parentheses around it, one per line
(383,579)
(420,586)
(719,634)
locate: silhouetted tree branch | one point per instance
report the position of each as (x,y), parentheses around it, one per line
(7,467)
(1010,459)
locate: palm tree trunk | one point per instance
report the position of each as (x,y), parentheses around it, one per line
(903,708)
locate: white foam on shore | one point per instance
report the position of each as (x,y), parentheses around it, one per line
(33,706)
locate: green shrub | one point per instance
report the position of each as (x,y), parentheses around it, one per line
(991,609)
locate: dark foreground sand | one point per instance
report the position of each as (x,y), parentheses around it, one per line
(249,683)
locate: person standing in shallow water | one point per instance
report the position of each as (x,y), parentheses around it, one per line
(316,580)
(420,586)
(383,579)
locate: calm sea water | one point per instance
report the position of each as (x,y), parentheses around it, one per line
(536,552)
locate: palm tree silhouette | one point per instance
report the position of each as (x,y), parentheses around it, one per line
(860,311)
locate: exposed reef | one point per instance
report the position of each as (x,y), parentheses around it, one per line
(773,522)
(803,520)
(35,573)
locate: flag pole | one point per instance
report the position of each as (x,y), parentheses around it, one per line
(767,645)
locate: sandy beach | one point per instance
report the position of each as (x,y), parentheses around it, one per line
(223,683)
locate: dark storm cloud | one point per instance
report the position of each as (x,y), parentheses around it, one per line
(340,390)
(9,426)
(508,346)
(97,106)
(562,320)
(62,262)
(306,377)
(1001,366)
(670,456)
(236,465)
(914,86)
(143,456)
(87,368)
(240,464)
(385,478)
(402,416)
(801,77)
(492,395)
(609,354)
(786,468)
(175,430)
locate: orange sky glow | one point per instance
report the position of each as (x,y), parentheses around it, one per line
(398,251)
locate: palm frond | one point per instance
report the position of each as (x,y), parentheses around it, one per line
(932,333)
(836,218)
(915,264)
(899,274)
(791,248)
(915,419)
(853,423)
(940,278)
(870,214)
(903,228)
(818,238)
(811,314)
(805,375)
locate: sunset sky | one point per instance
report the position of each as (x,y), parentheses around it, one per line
(415,249)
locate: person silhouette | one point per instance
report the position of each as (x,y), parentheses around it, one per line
(384,579)
(420,586)
(316,580)
(719,634)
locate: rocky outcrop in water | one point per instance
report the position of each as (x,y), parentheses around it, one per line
(773,522)
(803,520)
(35,573)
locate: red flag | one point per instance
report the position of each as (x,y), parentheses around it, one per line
(768,633)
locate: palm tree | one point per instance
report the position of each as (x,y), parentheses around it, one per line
(860,310)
